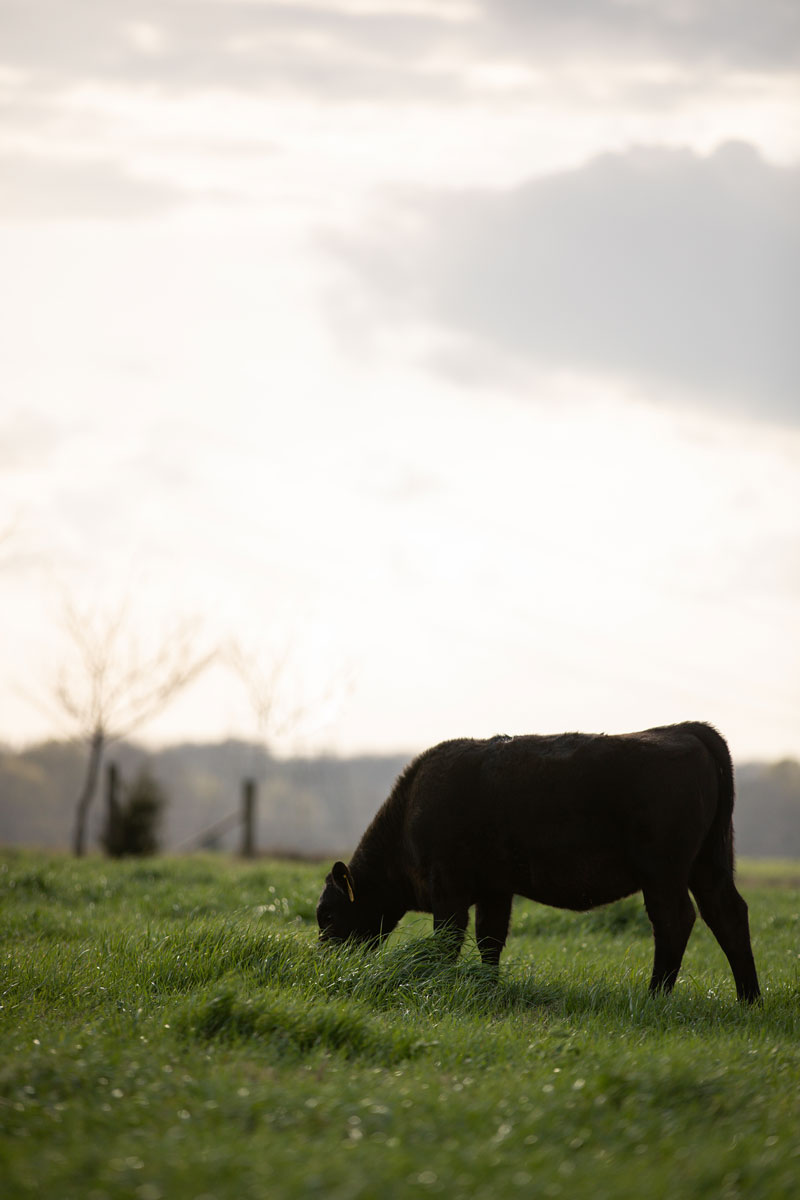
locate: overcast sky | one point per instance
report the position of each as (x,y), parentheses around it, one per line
(442,351)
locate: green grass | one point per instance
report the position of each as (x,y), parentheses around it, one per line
(171,1029)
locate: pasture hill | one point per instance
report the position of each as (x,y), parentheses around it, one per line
(315,807)
(171,1029)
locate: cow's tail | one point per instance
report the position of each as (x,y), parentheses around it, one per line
(718,845)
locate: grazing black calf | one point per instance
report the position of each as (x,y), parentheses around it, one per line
(575,821)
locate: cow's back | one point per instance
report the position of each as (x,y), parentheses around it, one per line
(573,820)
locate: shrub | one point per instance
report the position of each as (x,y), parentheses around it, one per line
(132,824)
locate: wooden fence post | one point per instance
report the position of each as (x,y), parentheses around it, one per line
(249,818)
(112,838)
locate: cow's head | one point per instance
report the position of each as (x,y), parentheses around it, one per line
(343,913)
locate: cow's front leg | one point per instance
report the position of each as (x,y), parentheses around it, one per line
(450,908)
(450,923)
(492,915)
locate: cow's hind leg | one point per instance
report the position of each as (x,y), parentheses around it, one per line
(492,915)
(725,912)
(672,916)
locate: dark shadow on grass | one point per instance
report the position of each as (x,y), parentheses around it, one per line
(422,974)
(418,975)
(293,1028)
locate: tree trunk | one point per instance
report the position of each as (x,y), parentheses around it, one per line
(89,787)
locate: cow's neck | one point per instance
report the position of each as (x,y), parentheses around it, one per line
(380,878)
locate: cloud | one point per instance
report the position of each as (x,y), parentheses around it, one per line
(735,33)
(45,189)
(657,264)
(338,49)
(27,438)
(319,49)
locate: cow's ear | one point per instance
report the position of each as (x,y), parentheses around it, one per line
(343,879)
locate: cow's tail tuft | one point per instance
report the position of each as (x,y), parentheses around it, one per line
(718,846)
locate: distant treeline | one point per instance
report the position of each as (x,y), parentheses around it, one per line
(308,806)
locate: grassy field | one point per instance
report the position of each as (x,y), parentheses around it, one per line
(170,1029)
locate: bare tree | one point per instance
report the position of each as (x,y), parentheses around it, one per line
(273,691)
(111,688)
(276,713)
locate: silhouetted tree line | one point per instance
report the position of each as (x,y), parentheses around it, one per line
(313,806)
(310,806)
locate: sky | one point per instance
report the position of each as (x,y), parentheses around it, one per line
(440,356)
